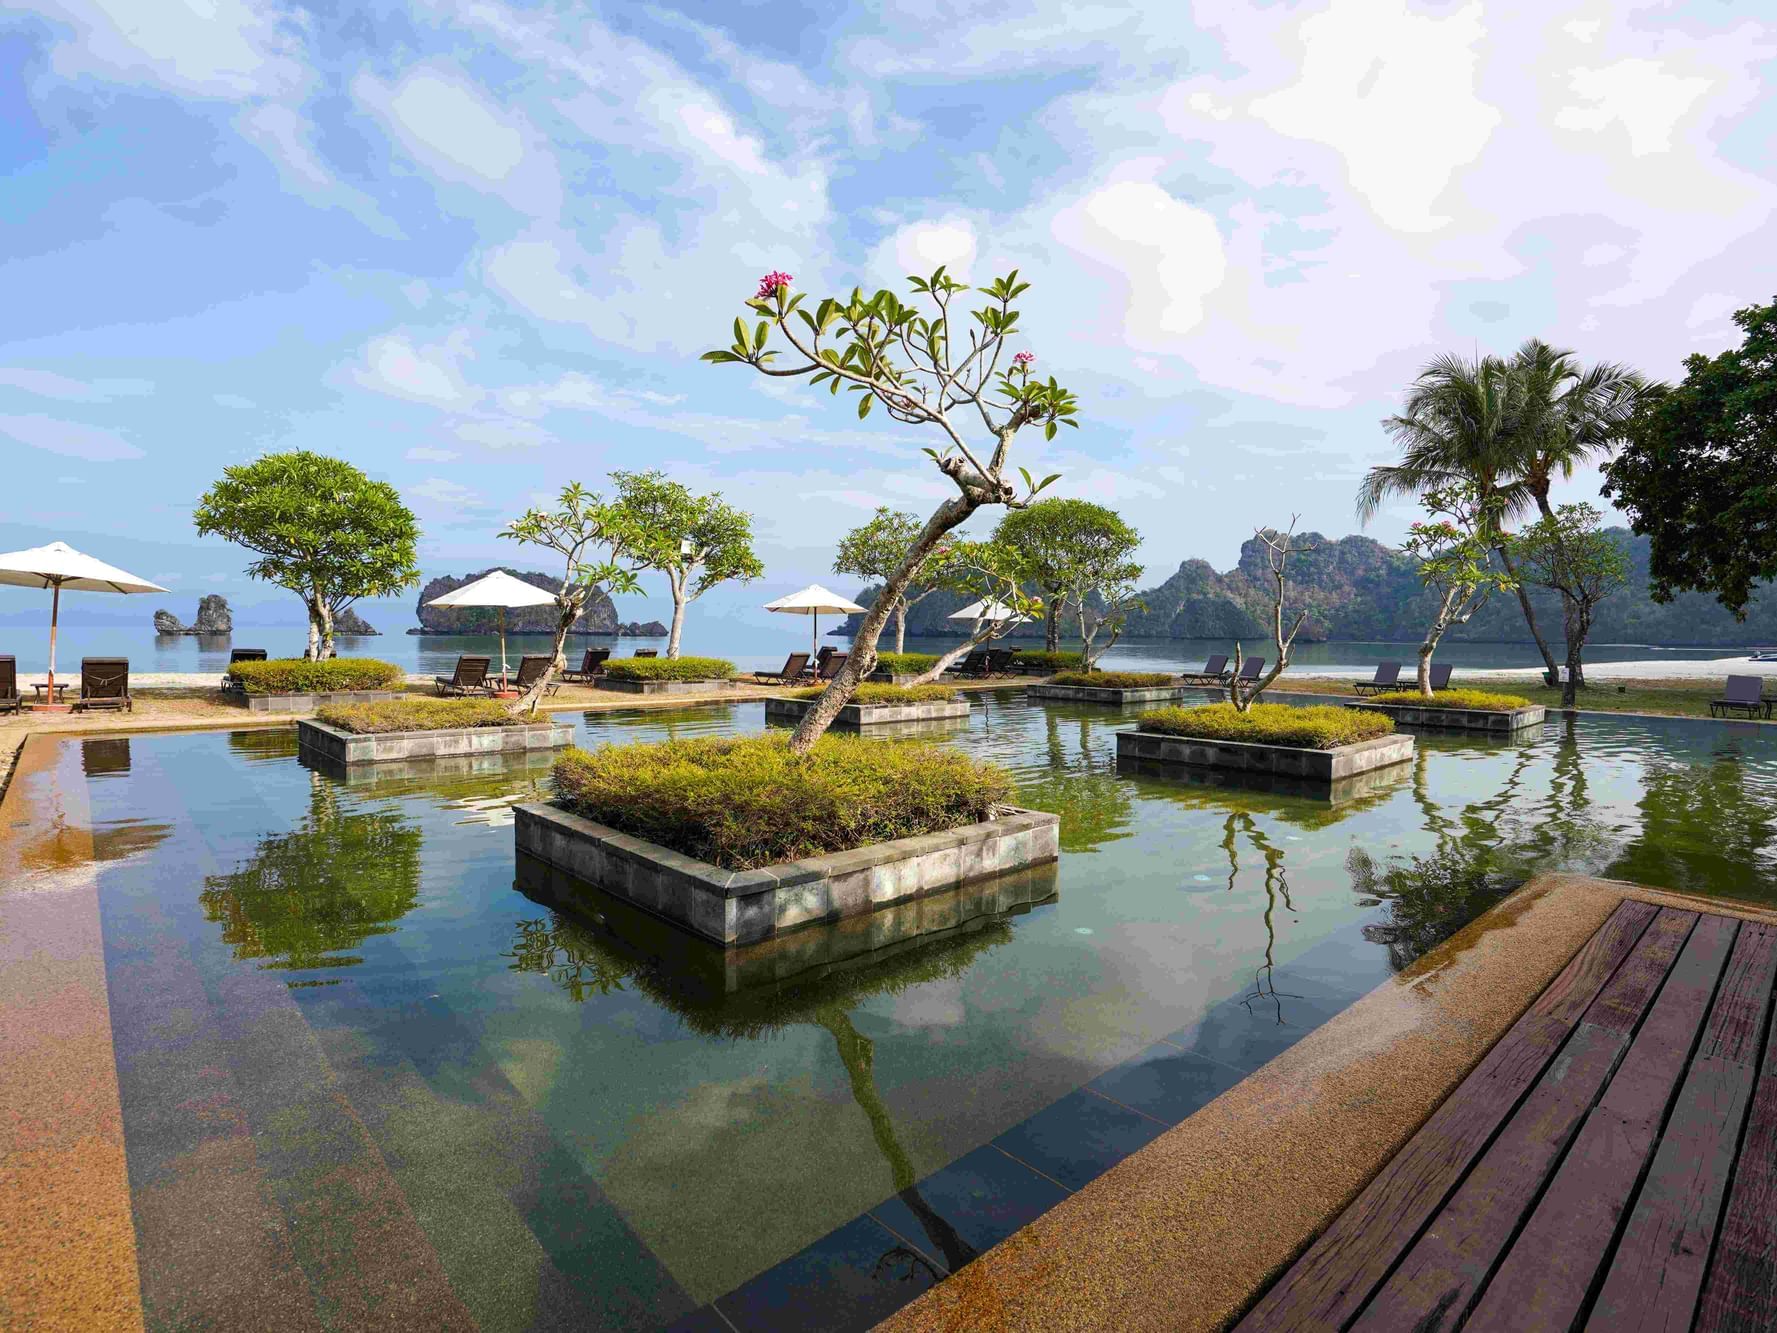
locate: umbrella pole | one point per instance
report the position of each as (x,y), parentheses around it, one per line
(55,610)
(814,636)
(502,648)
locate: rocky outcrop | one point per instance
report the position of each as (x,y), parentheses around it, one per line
(643,629)
(349,621)
(213,618)
(599,617)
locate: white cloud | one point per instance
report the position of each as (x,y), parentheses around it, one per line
(1638,95)
(425,454)
(394,365)
(49,384)
(920,247)
(448,494)
(71,439)
(502,433)
(232,49)
(1164,256)
(286,136)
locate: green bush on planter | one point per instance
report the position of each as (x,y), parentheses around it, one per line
(1045,660)
(293,675)
(887,694)
(742,802)
(669,668)
(905,664)
(1114,680)
(1479,700)
(378,719)
(1322,727)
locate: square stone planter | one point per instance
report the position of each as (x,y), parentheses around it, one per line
(744,906)
(1092,694)
(880,677)
(397,774)
(1355,790)
(307,703)
(345,747)
(870,715)
(693,970)
(1346,761)
(1457,719)
(657,686)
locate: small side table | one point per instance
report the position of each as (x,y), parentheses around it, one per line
(43,689)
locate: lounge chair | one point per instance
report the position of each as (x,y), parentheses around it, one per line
(470,677)
(795,667)
(1008,663)
(1387,677)
(972,667)
(647,652)
(105,683)
(9,686)
(1745,695)
(1251,669)
(591,664)
(998,660)
(1440,678)
(229,684)
(830,668)
(1215,672)
(530,670)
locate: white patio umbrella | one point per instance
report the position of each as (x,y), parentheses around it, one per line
(986,609)
(498,589)
(812,601)
(59,566)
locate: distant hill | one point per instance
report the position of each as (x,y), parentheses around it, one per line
(1357,588)
(599,617)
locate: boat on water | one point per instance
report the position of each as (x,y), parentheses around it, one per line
(1762,655)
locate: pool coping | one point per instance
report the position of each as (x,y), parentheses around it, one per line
(1186,1232)
(352,748)
(1432,718)
(1297,761)
(1121,696)
(872,715)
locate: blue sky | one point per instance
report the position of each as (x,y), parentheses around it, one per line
(476,248)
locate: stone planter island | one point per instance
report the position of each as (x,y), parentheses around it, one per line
(339,746)
(861,715)
(665,675)
(744,906)
(1507,716)
(1117,688)
(308,703)
(1319,744)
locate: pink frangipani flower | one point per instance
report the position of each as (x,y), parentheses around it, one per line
(1023,360)
(771,282)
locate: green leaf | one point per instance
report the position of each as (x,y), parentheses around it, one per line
(1046,481)
(1049,431)
(740,335)
(760,334)
(864,405)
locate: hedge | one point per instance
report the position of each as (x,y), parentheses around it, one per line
(294,675)
(742,802)
(887,694)
(1322,727)
(906,664)
(1114,680)
(1047,661)
(669,668)
(1479,700)
(417,715)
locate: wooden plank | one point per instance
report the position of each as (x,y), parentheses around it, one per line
(1543,1280)
(1656,1275)
(1741,1292)
(1331,1282)
(1447,1266)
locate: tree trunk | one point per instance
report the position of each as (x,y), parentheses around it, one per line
(1434,632)
(901,626)
(1578,624)
(1529,615)
(1051,624)
(570,604)
(1086,638)
(326,614)
(679,604)
(862,658)
(984,632)
(312,653)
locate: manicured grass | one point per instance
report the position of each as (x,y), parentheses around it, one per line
(905,664)
(742,802)
(1666,698)
(887,694)
(1477,700)
(1114,680)
(417,715)
(293,675)
(669,668)
(1319,727)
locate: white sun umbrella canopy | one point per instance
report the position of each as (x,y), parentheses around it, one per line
(498,589)
(986,609)
(58,566)
(813,601)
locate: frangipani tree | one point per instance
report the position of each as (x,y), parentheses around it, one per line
(960,383)
(875,549)
(1571,553)
(1067,545)
(697,541)
(1454,549)
(992,573)
(581,523)
(1279,547)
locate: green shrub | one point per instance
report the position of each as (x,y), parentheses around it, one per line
(742,802)
(292,675)
(416,715)
(1321,727)
(1477,699)
(1048,661)
(669,668)
(1114,680)
(902,664)
(887,694)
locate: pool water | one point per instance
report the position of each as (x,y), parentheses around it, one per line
(540,1109)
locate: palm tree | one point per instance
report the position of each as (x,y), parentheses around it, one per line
(1507,428)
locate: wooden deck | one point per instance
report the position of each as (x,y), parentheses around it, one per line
(1611,1163)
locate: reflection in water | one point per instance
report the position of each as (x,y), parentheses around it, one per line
(1702,829)
(1277,887)
(1083,788)
(262,744)
(105,758)
(309,896)
(600,944)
